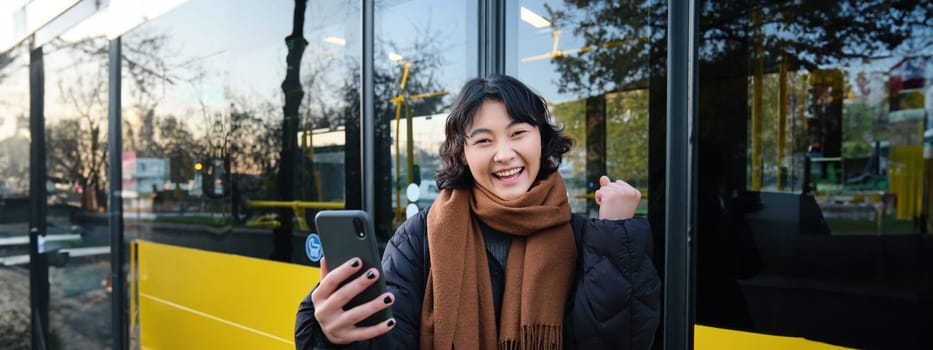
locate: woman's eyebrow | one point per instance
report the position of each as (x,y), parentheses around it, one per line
(478,131)
(516,122)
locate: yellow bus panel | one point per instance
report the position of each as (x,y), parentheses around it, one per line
(195,299)
(712,338)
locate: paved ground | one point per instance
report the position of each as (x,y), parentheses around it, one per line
(80,304)
(14,309)
(80,307)
(79,311)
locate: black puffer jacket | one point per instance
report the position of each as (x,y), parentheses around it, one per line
(614,304)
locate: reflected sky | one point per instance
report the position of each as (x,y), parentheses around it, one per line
(226,50)
(538,43)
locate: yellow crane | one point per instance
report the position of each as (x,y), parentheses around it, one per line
(404,99)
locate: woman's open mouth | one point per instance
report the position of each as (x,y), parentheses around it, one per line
(509,174)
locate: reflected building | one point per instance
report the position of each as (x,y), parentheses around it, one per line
(13,144)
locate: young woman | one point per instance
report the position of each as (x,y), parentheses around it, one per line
(499,261)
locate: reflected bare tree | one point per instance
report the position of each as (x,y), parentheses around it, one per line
(319,105)
(77,151)
(291,88)
(76,146)
(619,39)
(626,41)
(255,138)
(255,135)
(7,63)
(147,67)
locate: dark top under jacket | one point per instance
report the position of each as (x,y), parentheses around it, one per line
(613,304)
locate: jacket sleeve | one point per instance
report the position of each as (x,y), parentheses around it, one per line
(615,303)
(403,267)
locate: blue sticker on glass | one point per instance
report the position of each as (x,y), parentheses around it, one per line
(313,247)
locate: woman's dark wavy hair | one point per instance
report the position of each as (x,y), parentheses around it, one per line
(522,104)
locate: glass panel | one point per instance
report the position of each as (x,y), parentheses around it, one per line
(600,65)
(592,62)
(627,137)
(204,115)
(814,168)
(76,124)
(14,198)
(424,54)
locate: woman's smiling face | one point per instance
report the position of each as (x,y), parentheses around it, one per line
(503,155)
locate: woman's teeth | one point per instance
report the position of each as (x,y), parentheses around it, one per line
(509,173)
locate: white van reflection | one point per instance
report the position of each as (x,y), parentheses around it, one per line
(428,193)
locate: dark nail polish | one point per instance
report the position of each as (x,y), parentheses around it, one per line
(390,323)
(355,263)
(387,300)
(371,275)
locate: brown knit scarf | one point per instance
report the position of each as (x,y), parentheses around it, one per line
(458,311)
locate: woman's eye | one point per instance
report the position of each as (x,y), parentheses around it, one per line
(481,141)
(519,132)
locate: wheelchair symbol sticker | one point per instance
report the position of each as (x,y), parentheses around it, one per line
(313,247)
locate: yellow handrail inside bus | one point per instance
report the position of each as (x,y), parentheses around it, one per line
(298,207)
(592,195)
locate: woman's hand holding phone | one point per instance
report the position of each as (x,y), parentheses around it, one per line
(333,294)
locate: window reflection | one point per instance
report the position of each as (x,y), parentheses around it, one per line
(627,120)
(207,147)
(424,53)
(14,194)
(179,128)
(601,67)
(77,236)
(812,170)
(76,122)
(593,62)
(14,123)
(332,101)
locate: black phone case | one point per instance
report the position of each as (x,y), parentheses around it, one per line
(346,234)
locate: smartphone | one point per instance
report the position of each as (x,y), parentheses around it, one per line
(346,234)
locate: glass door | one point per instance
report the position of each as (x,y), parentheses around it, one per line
(14,199)
(814,168)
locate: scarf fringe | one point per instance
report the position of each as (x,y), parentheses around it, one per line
(539,336)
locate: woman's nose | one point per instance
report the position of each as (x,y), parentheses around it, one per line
(504,154)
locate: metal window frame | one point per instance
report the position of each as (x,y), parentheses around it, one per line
(491,37)
(680,185)
(118,299)
(367,108)
(38,261)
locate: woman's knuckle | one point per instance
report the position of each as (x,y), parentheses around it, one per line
(320,315)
